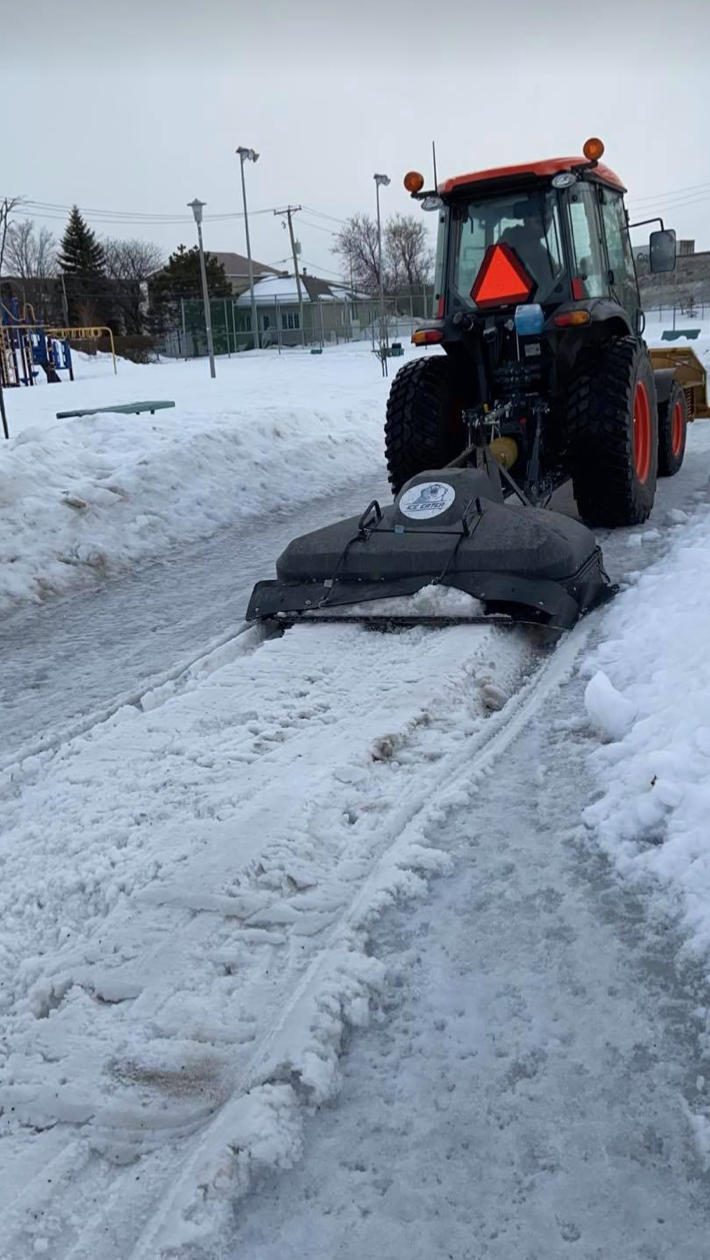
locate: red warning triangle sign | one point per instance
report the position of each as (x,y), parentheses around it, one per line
(502,278)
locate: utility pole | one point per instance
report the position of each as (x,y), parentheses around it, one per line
(248,155)
(65,304)
(289,212)
(381,181)
(197,206)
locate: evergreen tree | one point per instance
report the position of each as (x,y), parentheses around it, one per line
(81,259)
(80,253)
(181,279)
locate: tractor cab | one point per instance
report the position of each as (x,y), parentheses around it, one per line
(549,233)
(535,283)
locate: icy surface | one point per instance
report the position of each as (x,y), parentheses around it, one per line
(71,656)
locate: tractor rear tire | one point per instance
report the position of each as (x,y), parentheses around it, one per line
(423,428)
(613,435)
(672,431)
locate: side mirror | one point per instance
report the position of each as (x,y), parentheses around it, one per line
(662,251)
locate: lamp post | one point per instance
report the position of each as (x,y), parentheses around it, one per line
(381,180)
(248,155)
(3,414)
(197,206)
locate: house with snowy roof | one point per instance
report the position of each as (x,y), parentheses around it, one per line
(326,309)
(236,269)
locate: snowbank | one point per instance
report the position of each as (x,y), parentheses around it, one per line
(99,493)
(650,693)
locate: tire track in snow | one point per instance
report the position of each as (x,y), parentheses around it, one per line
(218,652)
(287,1050)
(407,833)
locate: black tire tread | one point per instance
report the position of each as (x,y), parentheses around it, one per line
(600,435)
(668,463)
(418,430)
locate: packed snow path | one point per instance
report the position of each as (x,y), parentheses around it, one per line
(185,897)
(522,1093)
(83,652)
(80,652)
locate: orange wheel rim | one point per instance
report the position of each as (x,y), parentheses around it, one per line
(642,433)
(677,429)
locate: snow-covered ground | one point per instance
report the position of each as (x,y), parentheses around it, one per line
(186,895)
(94,495)
(529,1085)
(491,853)
(658,322)
(649,697)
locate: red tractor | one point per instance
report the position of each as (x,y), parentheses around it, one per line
(539,315)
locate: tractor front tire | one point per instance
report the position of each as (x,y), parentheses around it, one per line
(613,435)
(672,431)
(424,427)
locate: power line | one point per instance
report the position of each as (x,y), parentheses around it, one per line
(320,214)
(330,272)
(670,204)
(317,227)
(55,211)
(670,209)
(671,193)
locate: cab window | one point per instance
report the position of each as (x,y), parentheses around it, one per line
(439,272)
(587,247)
(621,262)
(529,223)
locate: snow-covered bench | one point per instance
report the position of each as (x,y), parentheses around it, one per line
(126,409)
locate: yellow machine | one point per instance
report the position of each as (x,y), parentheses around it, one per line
(690,373)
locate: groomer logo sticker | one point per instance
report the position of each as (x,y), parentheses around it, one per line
(429,498)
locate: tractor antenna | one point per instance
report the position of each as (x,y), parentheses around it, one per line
(433,154)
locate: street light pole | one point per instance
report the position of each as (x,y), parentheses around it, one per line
(197,206)
(3,414)
(383,180)
(248,155)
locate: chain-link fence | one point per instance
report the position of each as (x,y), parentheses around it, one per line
(684,314)
(330,322)
(285,323)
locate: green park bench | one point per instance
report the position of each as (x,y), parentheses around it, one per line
(124,409)
(673,334)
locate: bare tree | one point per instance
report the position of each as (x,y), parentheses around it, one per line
(356,245)
(31,253)
(410,258)
(129,264)
(31,264)
(407,255)
(7,206)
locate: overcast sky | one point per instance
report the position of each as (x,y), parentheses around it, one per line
(137,105)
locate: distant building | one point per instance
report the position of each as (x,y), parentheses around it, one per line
(686,287)
(327,309)
(236,269)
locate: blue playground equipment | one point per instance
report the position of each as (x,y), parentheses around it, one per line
(26,348)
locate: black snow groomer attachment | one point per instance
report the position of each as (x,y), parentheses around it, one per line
(449,548)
